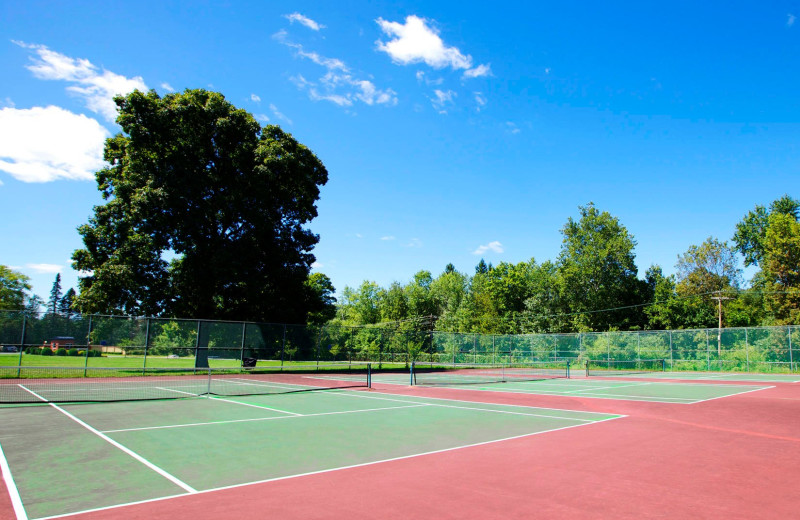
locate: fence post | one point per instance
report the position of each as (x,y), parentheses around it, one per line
(283,345)
(494,352)
(708,354)
(638,345)
(319,339)
(22,344)
(146,343)
(88,346)
(608,347)
(791,360)
(244,340)
(671,358)
(746,351)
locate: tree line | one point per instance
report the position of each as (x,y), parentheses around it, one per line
(594,284)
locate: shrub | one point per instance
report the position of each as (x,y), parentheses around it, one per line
(46,352)
(61,352)
(74,352)
(35,351)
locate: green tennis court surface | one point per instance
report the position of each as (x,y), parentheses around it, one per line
(603,388)
(78,457)
(719,376)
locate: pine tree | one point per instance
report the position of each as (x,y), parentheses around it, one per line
(65,304)
(55,296)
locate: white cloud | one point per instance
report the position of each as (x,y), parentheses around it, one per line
(317,265)
(261,117)
(42,144)
(547,70)
(304,20)
(790,18)
(7,103)
(442,99)
(479,71)
(494,246)
(359,235)
(45,268)
(96,87)
(255,98)
(415,242)
(166,86)
(512,128)
(279,115)
(389,237)
(416,42)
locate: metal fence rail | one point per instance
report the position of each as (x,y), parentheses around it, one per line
(99,341)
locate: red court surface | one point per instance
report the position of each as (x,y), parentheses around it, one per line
(731,458)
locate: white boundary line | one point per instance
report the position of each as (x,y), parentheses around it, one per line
(13,492)
(232,401)
(175,480)
(234,486)
(258,419)
(731,395)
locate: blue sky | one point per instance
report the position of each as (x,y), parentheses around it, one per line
(451,130)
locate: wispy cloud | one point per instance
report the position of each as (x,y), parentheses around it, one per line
(279,115)
(790,18)
(479,71)
(304,20)
(418,41)
(255,98)
(494,246)
(415,242)
(388,237)
(43,144)
(317,265)
(441,99)
(480,101)
(261,117)
(45,268)
(96,87)
(166,86)
(338,85)
(512,127)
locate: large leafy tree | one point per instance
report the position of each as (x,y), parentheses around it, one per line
(781,268)
(14,289)
(205,214)
(751,231)
(598,272)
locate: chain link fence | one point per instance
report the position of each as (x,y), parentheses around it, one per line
(106,341)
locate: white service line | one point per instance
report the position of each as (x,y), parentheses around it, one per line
(13,492)
(403,457)
(230,401)
(589,389)
(731,395)
(175,480)
(353,394)
(258,419)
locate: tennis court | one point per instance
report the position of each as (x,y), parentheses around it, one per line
(616,387)
(69,458)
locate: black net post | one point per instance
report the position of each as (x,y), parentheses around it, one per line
(201,345)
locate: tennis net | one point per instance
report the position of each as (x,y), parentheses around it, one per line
(91,384)
(465,374)
(602,367)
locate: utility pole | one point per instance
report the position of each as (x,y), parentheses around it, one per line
(719,299)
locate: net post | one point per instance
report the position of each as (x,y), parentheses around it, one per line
(283,345)
(369,375)
(411,374)
(587,368)
(568,374)
(208,388)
